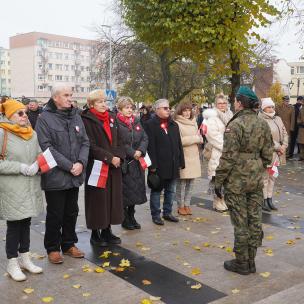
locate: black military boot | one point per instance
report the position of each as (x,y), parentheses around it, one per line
(238,265)
(270,204)
(97,240)
(252,253)
(131,211)
(110,237)
(127,222)
(265,206)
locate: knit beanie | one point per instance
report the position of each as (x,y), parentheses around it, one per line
(10,106)
(267,102)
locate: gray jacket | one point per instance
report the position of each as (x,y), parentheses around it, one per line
(64,134)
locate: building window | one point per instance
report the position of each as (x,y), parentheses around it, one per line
(72,67)
(40,88)
(87,68)
(66,67)
(82,68)
(82,89)
(40,77)
(66,56)
(8,63)
(58,67)
(301,69)
(50,88)
(58,56)
(82,78)
(40,66)
(50,77)
(292,70)
(66,78)
(58,77)
(73,89)
(73,78)
(50,66)
(88,79)
(39,53)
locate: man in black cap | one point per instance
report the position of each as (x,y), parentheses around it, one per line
(294,127)
(247,151)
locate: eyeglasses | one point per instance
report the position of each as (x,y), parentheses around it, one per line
(165,108)
(21,113)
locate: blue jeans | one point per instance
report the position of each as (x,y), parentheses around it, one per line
(169,191)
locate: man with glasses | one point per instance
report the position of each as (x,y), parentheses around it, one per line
(166,153)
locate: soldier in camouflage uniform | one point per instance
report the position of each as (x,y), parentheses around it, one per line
(248,150)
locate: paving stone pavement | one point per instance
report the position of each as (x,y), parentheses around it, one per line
(175,257)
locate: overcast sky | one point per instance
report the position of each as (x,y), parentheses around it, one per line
(73,18)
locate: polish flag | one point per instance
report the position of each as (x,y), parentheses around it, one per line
(145,162)
(203,129)
(99,174)
(274,171)
(46,161)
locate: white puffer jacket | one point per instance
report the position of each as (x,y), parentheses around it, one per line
(215,136)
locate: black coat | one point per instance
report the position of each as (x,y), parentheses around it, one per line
(33,116)
(134,189)
(103,207)
(165,150)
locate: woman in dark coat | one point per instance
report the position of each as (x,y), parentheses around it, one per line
(135,143)
(103,187)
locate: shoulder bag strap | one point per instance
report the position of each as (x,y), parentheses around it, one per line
(3,150)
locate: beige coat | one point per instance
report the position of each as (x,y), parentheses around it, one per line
(301,126)
(190,140)
(279,135)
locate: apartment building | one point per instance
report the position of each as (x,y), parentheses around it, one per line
(5,72)
(41,60)
(297,78)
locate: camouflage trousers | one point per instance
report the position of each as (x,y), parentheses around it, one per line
(246,217)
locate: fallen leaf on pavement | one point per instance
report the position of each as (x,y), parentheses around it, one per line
(28,290)
(47,299)
(145,301)
(146,282)
(269,237)
(206,244)
(268,252)
(235,291)
(196,271)
(290,242)
(66,276)
(229,249)
(196,286)
(105,254)
(152,298)
(106,264)
(120,269)
(86,294)
(198,248)
(99,270)
(265,274)
(76,286)
(124,263)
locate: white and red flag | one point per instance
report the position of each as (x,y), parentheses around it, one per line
(145,162)
(46,161)
(99,174)
(273,170)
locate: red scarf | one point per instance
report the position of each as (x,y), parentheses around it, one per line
(129,121)
(105,118)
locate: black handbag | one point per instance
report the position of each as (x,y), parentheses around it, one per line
(154,181)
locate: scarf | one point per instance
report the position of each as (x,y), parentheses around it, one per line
(23,132)
(271,115)
(105,118)
(128,121)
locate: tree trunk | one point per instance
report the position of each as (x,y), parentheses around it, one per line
(165,75)
(235,76)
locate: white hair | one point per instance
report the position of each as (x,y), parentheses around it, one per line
(57,88)
(159,102)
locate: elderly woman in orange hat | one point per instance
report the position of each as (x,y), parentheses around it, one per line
(20,193)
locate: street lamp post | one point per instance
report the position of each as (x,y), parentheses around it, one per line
(110,49)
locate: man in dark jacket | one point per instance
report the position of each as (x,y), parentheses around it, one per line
(166,153)
(61,130)
(33,112)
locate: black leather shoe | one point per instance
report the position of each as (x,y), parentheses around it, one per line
(97,240)
(270,204)
(158,221)
(110,237)
(265,206)
(171,218)
(127,224)
(237,266)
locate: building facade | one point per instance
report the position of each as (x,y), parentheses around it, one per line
(297,78)
(5,72)
(40,60)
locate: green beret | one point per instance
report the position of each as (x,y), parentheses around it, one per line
(245,91)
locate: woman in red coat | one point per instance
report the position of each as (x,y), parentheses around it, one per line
(103,187)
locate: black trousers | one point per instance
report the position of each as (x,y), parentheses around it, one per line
(17,237)
(293,141)
(61,217)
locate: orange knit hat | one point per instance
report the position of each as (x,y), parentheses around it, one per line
(10,106)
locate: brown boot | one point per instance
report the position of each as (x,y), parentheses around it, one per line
(74,252)
(182,211)
(55,257)
(188,210)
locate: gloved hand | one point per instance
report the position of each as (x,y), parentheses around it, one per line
(218,192)
(24,169)
(33,169)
